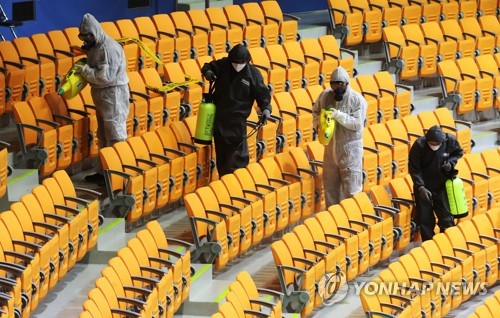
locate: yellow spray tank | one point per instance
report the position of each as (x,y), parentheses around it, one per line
(326,126)
(73,83)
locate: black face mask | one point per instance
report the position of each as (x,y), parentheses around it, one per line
(88,45)
(339,93)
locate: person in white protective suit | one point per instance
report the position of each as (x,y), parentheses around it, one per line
(106,73)
(342,161)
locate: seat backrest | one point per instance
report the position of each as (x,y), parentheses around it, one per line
(8,52)
(272,9)
(25,47)
(145,26)
(235,15)
(216,16)
(23,114)
(486,62)
(466,65)
(432,30)
(451,27)
(471,25)
(164,24)
(253,11)
(276,53)
(427,119)
(111,29)
(127,28)
(72,36)
(329,45)
(181,21)
(59,40)
(367,83)
(293,51)
(282,257)
(413,32)
(199,18)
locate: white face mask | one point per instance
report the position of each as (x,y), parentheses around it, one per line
(434,148)
(238,67)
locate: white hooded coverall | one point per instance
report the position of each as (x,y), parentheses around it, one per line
(106,73)
(343,157)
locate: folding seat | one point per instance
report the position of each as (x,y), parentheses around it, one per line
(255,15)
(184,132)
(193,93)
(485,42)
(132,278)
(209,233)
(446,45)
(451,30)
(143,166)
(277,57)
(413,127)
(400,93)
(41,236)
(124,186)
(190,67)
(467,9)
(428,51)
(391,15)
(484,84)
(227,212)
(180,162)
(474,240)
(347,25)
(382,136)
(128,30)
(217,41)
(491,158)
(297,279)
(4,90)
(238,212)
(251,32)
(382,106)
(278,178)
(174,106)
(238,304)
(147,111)
(166,29)
(434,299)
(315,153)
(478,167)
(465,248)
(234,35)
(449,10)
(38,146)
(458,91)
(490,26)
(398,133)
(448,124)
(479,184)
(345,237)
(486,229)
(164,46)
(372,20)
(185,28)
(27,51)
(62,45)
(41,252)
(487,66)
(401,58)
(372,172)
(401,196)
(288,29)
(430,11)
(385,165)
(251,198)
(332,50)
(287,106)
(273,74)
(373,305)
(4,168)
(67,145)
(365,222)
(310,69)
(22,79)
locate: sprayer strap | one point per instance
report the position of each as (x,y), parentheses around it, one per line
(143,47)
(171,86)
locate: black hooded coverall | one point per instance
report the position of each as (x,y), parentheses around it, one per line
(235,93)
(425,169)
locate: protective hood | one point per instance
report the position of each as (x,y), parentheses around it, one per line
(435,134)
(239,53)
(91,25)
(341,75)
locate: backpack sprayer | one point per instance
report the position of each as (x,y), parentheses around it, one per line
(456,194)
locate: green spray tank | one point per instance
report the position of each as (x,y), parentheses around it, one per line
(206,118)
(326,126)
(73,83)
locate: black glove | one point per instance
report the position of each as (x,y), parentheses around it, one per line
(210,75)
(446,167)
(425,194)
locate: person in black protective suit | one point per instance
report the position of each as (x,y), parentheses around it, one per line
(432,160)
(237,85)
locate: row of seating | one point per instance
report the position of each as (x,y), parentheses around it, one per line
(471,85)
(5,170)
(35,65)
(243,298)
(489,308)
(413,51)
(355,22)
(43,235)
(147,278)
(338,244)
(464,256)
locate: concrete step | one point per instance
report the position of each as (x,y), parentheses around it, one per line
(485,135)
(425,99)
